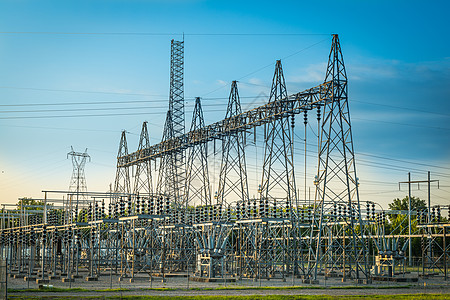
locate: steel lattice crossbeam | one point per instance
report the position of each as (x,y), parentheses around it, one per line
(293,104)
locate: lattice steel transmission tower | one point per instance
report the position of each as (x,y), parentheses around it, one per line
(143,177)
(198,189)
(174,127)
(233,169)
(278,180)
(78,179)
(176,96)
(122,181)
(337,185)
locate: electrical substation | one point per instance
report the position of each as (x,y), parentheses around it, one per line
(161,219)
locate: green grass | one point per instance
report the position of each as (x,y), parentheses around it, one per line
(268,297)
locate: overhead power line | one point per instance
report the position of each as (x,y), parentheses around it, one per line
(161,33)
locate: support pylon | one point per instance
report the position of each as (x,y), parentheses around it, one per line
(176,106)
(122,181)
(233,169)
(143,177)
(78,180)
(175,164)
(198,190)
(337,184)
(167,169)
(278,180)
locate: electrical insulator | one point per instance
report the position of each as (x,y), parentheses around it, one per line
(275,211)
(160,205)
(438,213)
(96,211)
(209,213)
(305,117)
(138,205)
(167,205)
(130,206)
(261,208)
(122,207)
(44,234)
(143,206)
(90,215)
(433,214)
(238,211)
(205,214)
(150,205)
(266,205)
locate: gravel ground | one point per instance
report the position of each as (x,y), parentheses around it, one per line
(179,286)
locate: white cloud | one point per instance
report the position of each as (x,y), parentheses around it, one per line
(221,82)
(394,69)
(314,73)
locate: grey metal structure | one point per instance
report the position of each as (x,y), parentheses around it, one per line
(179,229)
(337,184)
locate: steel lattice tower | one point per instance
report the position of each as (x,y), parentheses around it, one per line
(143,176)
(122,181)
(176,96)
(198,190)
(174,127)
(167,176)
(78,179)
(336,183)
(278,179)
(233,170)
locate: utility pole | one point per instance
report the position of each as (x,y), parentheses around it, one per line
(429,181)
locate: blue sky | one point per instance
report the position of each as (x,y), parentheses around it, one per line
(397,56)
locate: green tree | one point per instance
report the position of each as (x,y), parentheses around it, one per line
(26,202)
(399,222)
(402,204)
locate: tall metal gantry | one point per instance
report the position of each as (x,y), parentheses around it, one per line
(175,126)
(278,179)
(122,182)
(198,189)
(143,182)
(336,182)
(233,170)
